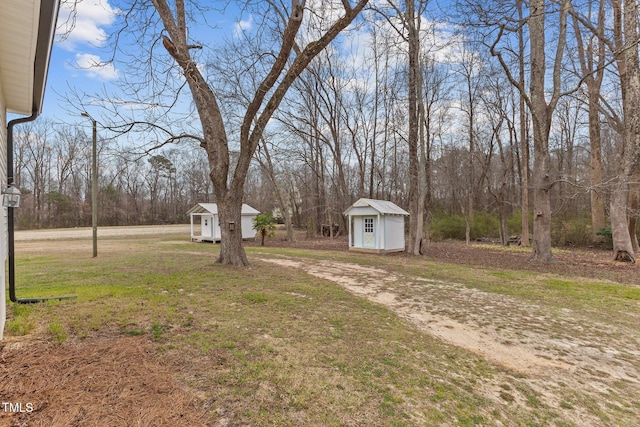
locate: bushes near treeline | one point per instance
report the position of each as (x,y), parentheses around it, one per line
(564,231)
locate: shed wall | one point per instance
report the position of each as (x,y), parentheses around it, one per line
(357,231)
(247,227)
(363,210)
(394,232)
(215,224)
(210,227)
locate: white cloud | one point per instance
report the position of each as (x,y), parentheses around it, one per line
(94,67)
(242,26)
(82,22)
(135,106)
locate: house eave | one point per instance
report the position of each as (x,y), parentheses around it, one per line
(26,38)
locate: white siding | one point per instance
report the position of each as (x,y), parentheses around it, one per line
(210,227)
(247,227)
(3,215)
(216,227)
(364,210)
(394,232)
(357,231)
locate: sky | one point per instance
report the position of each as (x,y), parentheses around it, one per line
(82,44)
(74,51)
(80,47)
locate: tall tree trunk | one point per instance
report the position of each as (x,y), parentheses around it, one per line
(622,246)
(415,210)
(541,244)
(421,243)
(626,42)
(472,147)
(524,141)
(592,65)
(541,114)
(598,219)
(634,206)
(231,249)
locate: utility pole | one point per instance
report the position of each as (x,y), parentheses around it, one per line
(94,187)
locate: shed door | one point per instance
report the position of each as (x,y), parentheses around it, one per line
(205,221)
(369,232)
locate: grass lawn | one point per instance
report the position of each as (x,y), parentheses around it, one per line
(267,345)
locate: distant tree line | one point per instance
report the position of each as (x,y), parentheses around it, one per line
(300,177)
(53,171)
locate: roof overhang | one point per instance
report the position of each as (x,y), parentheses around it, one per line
(27,29)
(381,206)
(212,209)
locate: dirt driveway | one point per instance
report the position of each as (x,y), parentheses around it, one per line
(555,351)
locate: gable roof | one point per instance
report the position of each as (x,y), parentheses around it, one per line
(382,206)
(212,208)
(27,30)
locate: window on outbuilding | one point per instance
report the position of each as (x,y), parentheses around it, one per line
(368,225)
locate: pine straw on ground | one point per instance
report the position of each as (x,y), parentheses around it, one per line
(98,382)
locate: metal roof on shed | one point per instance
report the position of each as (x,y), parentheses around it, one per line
(212,208)
(382,206)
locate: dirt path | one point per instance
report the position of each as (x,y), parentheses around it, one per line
(554,350)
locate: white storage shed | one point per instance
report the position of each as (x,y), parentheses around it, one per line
(204,218)
(376,226)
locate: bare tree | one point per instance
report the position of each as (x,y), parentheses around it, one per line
(592,59)
(68,148)
(523,134)
(229,182)
(626,38)
(511,21)
(33,143)
(496,102)
(407,23)
(470,69)
(278,184)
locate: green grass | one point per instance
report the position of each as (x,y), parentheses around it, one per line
(21,323)
(275,346)
(58,332)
